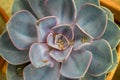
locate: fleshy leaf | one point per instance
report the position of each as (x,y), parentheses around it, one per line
(63,9)
(80,37)
(64,78)
(92,20)
(115,60)
(51,41)
(58,41)
(21,5)
(15,72)
(22,29)
(39,8)
(79,3)
(112,34)
(102,56)
(88,77)
(39,55)
(65,30)
(61,56)
(44,27)
(76,65)
(109,13)
(45,73)
(10,53)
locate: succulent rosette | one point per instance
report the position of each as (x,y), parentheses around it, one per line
(59,40)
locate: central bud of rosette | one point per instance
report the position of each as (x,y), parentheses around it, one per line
(57,41)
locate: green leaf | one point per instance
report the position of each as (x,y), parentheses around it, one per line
(88,77)
(79,3)
(112,34)
(109,13)
(102,56)
(80,37)
(115,60)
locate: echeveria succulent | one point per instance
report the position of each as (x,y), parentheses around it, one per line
(59,40)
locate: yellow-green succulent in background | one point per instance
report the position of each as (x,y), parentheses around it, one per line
(2,24)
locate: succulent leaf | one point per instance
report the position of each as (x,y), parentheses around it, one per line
(57,41)
(15,72)
(21,5)
(115,60)
(22,30)
(61,56)
(76,65)
(44,27)
(79,3)
(45,73)
(51,41)
(65,30)
(112,34)
(10,53)
(39,55)
(102,56)
(88,77)
(64,10)
(109,13)
(80,37)
(92,20)
(39,8)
